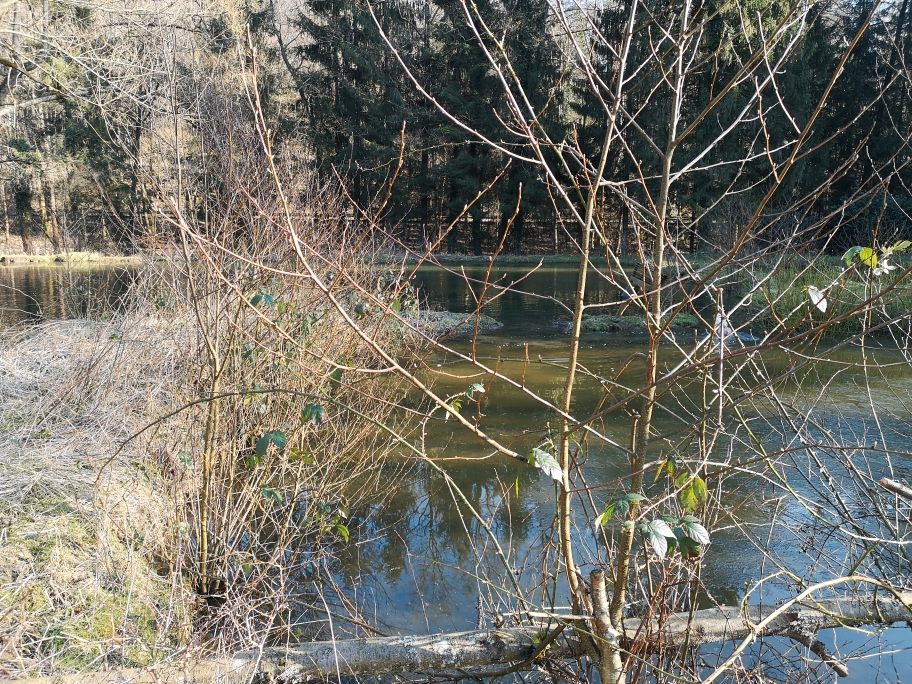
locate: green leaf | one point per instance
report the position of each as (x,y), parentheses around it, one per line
(687,546)
(545,461)
(669,465)
(396,305)
(606,515)
(361,309)
(186,459)
(343,532)
(248,352)
(693,492)
(262,297)
(867,256)
(659,526)
(901,246)
(276,437)
(658,543)
(456,405)
(313,413)
(335,377)
(657,533)
(694,530)
(474,389)
(850,255)
(271,495)
(623,504)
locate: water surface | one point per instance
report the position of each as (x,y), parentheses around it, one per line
(419,563)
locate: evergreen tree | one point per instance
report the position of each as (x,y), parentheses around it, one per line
(468,91)
(535,58)
(353,92)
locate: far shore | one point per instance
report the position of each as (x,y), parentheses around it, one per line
(42,253)
(68,259)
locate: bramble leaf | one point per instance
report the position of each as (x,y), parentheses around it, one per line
(276,437)
(313,413)
(657,533)
(693,491)
(545,461)
(694,530)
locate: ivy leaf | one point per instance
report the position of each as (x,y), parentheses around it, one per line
(867,256)
(276,437)
(545,461)
(818,298)
(313,413)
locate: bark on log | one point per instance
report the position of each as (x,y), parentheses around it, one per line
(465,650)
(729,623)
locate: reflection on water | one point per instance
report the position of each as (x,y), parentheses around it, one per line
(417,562)
(37,293)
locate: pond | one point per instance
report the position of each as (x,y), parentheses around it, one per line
(419,564)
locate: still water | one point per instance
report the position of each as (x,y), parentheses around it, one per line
(420,564)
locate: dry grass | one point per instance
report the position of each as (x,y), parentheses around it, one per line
(103,499)
(83,539)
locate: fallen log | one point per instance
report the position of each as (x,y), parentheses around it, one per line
(466,650)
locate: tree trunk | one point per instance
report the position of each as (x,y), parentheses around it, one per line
(5,210)
(460,650)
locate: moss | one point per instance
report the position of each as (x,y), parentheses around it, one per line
(634,324)
(76,595)
(440,323)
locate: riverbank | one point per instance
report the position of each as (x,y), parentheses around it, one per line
(134,526)
(41,252)
(88,531)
